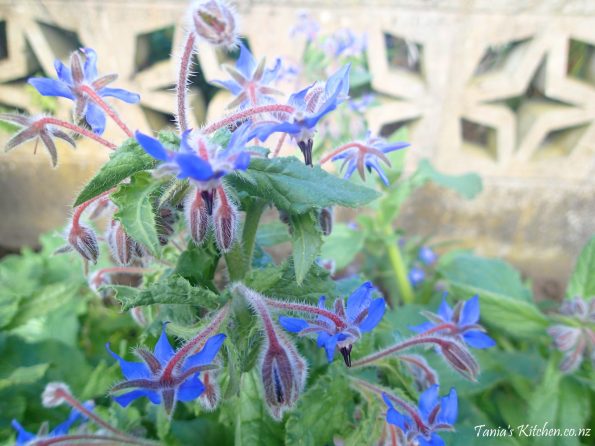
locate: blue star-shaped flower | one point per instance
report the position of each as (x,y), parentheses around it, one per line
(416,276)
(311,104)
(367,154)
(427,255)
(249,80)
(459,322)
(433,414)
(24,437)
(69,82)
(360,315)
(166,376)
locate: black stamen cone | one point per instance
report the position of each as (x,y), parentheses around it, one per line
(346,352)
(208,196)
(306,148)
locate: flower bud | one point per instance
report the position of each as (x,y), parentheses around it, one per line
(54,393)
(325,219)
(96,281)
(166,218)
(138,316)
(460,359)
(84,241)
(225,219)
(216,23)
(197,218)
(121,246)
(211,396)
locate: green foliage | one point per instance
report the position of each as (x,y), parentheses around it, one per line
(296,188)
(582,281)
(314,421)
(125,161)
(306,240)
(135,210)
(468,185)
(505,301)
(343,245)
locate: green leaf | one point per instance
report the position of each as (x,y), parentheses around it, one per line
(135,210)
(172,290)
(467,185)
(271,234)
(128,159)
(9,306)
(368,428)
(253,424)
(24,375)
(306,240)
(198,263)
(582,281)
(294,187)
(505,302)
(343,245)
(322,412)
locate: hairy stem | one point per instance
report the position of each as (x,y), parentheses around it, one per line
(304,308)
(340,149)
(75,128)
(400,346)
(182,85)
(81,208)
(240,116)
(398,267)
(92,94)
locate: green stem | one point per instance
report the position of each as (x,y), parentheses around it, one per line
(398,267)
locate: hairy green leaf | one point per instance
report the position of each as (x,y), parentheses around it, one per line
(198,263)
(270,234)
(135,210)
(172,290)
(467,185)
(294,187)
(128,159)
(343,245)
(306,240)
(582,281)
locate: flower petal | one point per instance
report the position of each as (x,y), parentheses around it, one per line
(376,311)
(121,94)
(292,324)
(246,63)
(242,161)
(449,408)
(445,311)
(191,389)
(51,87)
(96,118)
(163,350)
(478,339)
(23,437)
(373,164)
(152,146)
(90,67)
(428,400)
(421,327)
(396,418)
(130,370)
(435,440)
(207,354)
(127,398)
(63,72)
(359,300)
(192,166)
(470,311)
(230,85)
(330,345)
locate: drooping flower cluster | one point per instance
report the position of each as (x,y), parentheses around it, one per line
(577,339)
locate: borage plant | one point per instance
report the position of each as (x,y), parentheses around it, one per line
(182,212)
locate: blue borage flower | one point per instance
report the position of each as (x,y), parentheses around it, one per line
(433,414)
(199,159)
(460,322)
(367,154)
(249,80)
(311,105)
(166,376)
(416,276)
(24,437)
(360,315)
(427,255)
(345,43)
(69,83)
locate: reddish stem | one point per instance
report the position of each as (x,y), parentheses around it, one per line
(279,145)
(93,440)
(303,308)
(76,129)
(74,403)
(181,87)
(342,148)
(196,343)
(416,340)
(92,94)
(239,116)
(81,208)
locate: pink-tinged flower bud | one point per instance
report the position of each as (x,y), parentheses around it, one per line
(121,246)
(325,219)
(197,217)
(211,396)
(96,281)
(424,375)
(84,241)
(216,23)
(54,393)
(138,316)
(166,218)
(459,358)
(225,218)
(283,369)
